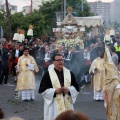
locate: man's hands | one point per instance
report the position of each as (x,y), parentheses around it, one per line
(96,70)
(63,90)
(58,91)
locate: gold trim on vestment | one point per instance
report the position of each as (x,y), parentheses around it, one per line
(63,102)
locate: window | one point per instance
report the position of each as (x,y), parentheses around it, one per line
(2,7)
(13,7)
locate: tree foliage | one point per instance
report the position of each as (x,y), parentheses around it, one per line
(43,19)
(77,7)
(49,8)
(36,18)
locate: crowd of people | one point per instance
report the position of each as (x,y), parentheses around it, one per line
(64,71)
(42,51)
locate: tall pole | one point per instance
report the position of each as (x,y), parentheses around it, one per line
(64,8)
(31,6)
(82,5)
(8,20)
(61,10)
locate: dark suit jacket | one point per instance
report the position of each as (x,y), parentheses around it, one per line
(77,62)
(13,54)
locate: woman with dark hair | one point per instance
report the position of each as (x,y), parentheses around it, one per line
(72,115)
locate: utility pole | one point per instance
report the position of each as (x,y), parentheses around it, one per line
(31,6)
(8,20)
(64,8)
(82,6)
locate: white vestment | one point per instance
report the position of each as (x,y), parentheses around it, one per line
(26,94)
(50,102)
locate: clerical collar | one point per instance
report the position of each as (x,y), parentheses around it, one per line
(58,70)
(26,56)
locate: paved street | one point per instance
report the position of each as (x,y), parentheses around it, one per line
(33,110)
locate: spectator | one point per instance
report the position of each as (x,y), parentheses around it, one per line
(4,75)
(115,57)
(25,43)
(71,115)
(21,48)
(15,55)
(0,48)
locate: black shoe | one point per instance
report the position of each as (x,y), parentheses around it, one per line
(15,81)
(99,100)
(25,100)
(32,99)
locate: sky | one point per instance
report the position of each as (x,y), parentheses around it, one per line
(19,3)
(22,3)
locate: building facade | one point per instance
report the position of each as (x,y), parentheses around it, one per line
(115,11)
(13,8)
(102,9)
(26,10)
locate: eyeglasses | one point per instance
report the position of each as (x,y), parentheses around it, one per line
(59,60)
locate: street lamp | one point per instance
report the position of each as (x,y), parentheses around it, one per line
(64,8)
(58,16)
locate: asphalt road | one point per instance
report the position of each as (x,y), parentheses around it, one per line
(33,110)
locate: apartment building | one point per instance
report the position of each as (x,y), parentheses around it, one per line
(102,9)
(115,11)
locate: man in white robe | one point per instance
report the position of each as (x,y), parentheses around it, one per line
(98,76)
(26,78)
(59,89)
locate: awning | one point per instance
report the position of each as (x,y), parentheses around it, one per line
(92,21)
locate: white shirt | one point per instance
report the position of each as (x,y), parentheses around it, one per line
(47,57)
(68,57)
(87,55)
(17,53)
(115,44)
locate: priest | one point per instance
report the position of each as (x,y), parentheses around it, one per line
(26,68)
(97,71)
(112,88)
(59,89)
